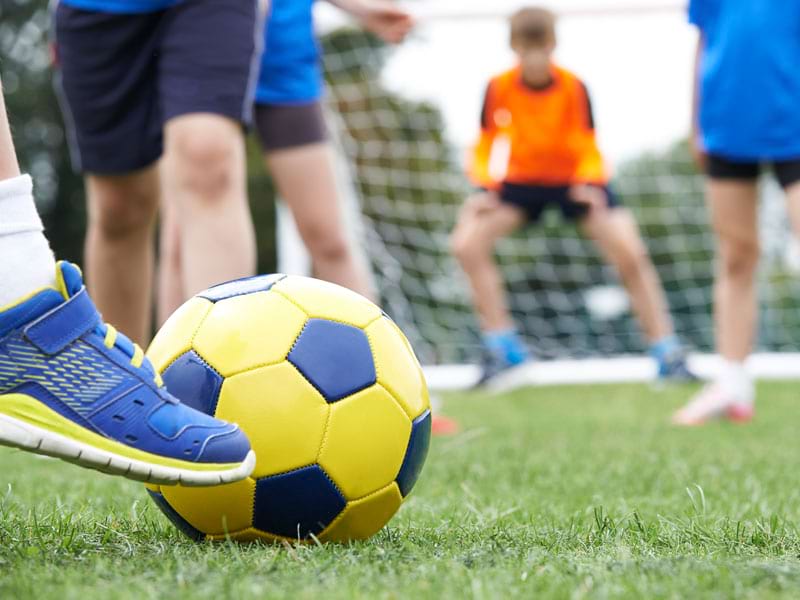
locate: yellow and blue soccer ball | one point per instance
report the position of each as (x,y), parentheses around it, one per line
(329,392)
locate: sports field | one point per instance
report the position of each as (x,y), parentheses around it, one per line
(566,491)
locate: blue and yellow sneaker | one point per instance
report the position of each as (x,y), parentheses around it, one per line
(74,388)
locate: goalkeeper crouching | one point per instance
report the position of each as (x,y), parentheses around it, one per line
(540,116)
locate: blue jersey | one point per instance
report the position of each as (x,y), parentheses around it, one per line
(749,78)
(290,67)
(121,6)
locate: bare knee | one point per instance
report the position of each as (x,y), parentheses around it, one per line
(328,248)
(739,259)
(122,207)
(482,221)
(470,250)
(204,160)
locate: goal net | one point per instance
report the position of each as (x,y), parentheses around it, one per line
(404,117)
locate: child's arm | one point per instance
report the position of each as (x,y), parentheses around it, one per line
(591,166)
(478,169)
(382,17)
(591,175)
(695,139)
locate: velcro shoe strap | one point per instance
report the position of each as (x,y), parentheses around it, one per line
(64,324)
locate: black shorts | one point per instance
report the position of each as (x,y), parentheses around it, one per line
(535,199)
(787,172)
(284,126)
(121,77)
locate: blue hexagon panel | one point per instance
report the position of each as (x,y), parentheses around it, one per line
(241,287)
(336,358)
(177,520)
(297,504)
(416,453)
(194,382)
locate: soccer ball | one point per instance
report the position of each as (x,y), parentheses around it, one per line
(329,392)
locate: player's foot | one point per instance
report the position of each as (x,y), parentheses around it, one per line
(500,375)
(675,369)
(505,361)
(74,388)
(714,403)
(741,413)
(441,425)
(670,356)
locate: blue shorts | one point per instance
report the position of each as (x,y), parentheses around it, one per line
(121,77)
(787,172)
(535,199)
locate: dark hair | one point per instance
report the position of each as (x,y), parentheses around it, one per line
(533,26)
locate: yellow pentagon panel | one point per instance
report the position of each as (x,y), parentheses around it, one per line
(175,337)
(366,517)
(214,510)
(365,443)
(245,332)
(397,367)
(324,300)
(281,413)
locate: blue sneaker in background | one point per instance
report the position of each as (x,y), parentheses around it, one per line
(505,356)
(670,358)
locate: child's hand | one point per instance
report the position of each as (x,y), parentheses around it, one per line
(486,201)
(591,195)
(386,20)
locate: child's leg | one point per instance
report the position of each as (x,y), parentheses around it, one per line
(9,167)
(314,202)
(732,203)
(120,260)
(26,261)
(734,218)
(204,176)
(617,236)
(170,266)
(295,143)
(483,221)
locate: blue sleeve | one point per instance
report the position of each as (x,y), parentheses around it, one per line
(698,13)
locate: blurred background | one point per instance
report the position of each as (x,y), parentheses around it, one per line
(402,119)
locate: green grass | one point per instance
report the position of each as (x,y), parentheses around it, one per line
(564,492)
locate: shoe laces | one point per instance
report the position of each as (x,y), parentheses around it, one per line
(113,338)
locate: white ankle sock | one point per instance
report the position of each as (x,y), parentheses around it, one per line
(736,381)
(26,261)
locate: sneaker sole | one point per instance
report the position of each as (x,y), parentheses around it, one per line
(108,456)
(740,416)
(511,379)
(733,416)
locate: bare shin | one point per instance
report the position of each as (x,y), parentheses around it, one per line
(120,255)
(618,238)
(205,180)
(306,179)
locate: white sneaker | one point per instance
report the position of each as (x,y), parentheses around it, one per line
(712,403)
